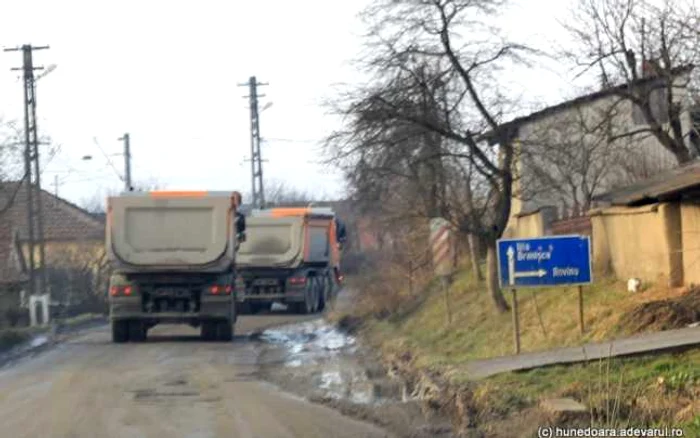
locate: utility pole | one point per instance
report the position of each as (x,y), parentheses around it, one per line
(35,222)
(256,158)
(127,162)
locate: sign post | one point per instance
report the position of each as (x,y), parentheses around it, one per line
(442,248)
(542,262)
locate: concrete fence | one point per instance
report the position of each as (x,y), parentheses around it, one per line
(656,243)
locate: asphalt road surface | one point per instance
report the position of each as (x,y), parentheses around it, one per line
(173,385)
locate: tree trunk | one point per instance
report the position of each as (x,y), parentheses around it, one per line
(474,256)
(492,278)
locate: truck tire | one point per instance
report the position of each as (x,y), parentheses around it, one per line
(209,330)
(120,331)
(307,306)
(137,331)
(326,291)
(318,291)
(224,331)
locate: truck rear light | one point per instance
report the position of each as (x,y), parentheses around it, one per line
(121,290)
(297,280)
(218,289)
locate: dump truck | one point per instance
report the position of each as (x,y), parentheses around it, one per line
(290,256)
(172,255)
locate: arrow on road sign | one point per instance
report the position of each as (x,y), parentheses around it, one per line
(512,275)
(539,273)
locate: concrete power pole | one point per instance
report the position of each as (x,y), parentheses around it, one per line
(255,155)
(38,281)
(127,162)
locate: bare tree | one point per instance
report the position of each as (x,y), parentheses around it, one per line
(652,50)
(405,37)
(570,156)
(11,150)
(279,192)
(96,202)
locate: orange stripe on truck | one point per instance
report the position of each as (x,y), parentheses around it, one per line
(178,194)
(283,212)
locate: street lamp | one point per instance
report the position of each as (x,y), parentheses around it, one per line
(47,71)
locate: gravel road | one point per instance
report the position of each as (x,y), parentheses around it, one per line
(173,385)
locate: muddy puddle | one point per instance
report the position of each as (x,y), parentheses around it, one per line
(318,362)
(325,362)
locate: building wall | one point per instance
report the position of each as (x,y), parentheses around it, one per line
(524,226)
(690,220)
(69,253)
(550,142)
(641,242)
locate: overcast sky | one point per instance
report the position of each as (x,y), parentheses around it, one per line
(168,73)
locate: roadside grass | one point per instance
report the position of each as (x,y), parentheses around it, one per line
(13,336)
(548,319)
(649,391)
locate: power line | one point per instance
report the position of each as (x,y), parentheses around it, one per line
(108,160)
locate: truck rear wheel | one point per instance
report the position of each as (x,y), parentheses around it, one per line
(224,331)
(120,331)
(209,330)
(137,331)
(325,293)
(307,306)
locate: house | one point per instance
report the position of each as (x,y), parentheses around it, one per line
(567,154)
(74,238)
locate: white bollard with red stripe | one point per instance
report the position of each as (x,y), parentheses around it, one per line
(442,246)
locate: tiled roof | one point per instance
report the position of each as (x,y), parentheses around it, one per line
(62,219)
(10,264)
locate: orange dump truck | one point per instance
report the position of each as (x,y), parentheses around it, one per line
(173,260)
(290,256)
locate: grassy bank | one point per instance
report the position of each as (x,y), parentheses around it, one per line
(548,319)
(655,390)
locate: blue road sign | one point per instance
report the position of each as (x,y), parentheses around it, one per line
(544,261)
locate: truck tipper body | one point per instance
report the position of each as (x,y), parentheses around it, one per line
(290,256)
(173,258)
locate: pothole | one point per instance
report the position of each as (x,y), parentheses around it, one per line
(144,394)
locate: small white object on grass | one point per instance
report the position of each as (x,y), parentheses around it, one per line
(634,284)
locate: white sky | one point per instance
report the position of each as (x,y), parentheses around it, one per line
(168,73)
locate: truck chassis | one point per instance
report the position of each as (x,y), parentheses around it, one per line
(139,302)
(302,290)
